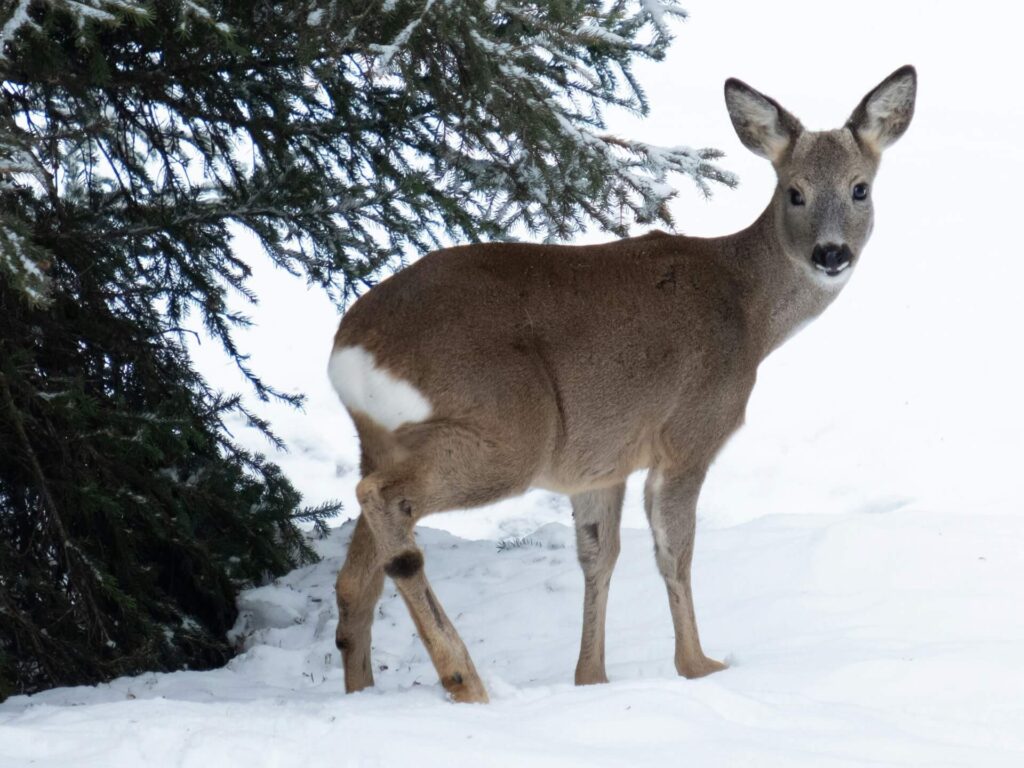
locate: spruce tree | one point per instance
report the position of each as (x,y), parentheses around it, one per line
(135,138)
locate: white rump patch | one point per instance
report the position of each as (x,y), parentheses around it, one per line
(363,387)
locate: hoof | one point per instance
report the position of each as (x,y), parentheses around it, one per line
(359,685)
(701,667)
(465,690)
(590,677)
(358,679)
(358,674)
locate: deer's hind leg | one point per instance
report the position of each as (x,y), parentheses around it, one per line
(358,588)
(596,515)
(439,467)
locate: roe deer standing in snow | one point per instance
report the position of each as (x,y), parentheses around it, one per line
(484,370)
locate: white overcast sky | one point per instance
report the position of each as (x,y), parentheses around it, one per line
(911,383)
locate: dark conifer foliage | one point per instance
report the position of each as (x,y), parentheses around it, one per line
(135,139)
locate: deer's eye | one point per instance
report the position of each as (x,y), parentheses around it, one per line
(795,198)
(860,191)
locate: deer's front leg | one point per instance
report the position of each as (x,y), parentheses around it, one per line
(597,515)
(670,499)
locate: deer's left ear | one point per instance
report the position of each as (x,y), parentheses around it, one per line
(885,112)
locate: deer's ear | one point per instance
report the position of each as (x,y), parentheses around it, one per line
(762,124)
(885,112)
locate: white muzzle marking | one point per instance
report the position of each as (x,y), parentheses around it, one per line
(362,386)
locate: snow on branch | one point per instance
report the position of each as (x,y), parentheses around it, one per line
(356,134)
(659,162)
(83,11)
(19,18)
(193,10)
(387,52)
(660,11)
(15,159)
(21,261)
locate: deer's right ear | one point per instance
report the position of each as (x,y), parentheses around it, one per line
(762,124)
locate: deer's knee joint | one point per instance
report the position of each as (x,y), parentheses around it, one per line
(388,498)
(405,565)
(368,491)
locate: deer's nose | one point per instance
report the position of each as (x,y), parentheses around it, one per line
(831,258)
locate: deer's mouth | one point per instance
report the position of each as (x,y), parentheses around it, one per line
(832,271)
(832,258)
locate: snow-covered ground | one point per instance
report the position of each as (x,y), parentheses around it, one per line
(873,638)
(860,558)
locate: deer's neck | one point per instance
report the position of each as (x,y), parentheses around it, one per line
(784,295)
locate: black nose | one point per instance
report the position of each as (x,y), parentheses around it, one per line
(831,258)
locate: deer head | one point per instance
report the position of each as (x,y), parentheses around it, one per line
(822,205)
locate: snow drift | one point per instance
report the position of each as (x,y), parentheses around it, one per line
(876,637)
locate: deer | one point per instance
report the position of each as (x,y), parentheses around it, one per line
(481,371)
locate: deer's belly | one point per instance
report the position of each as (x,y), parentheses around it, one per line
(580,466)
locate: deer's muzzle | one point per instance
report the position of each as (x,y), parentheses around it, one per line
(831,258)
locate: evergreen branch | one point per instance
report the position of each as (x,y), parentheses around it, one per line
(69,554)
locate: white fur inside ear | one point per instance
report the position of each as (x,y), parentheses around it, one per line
(892,99)
(364,387)
(888,112)
(758,123)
